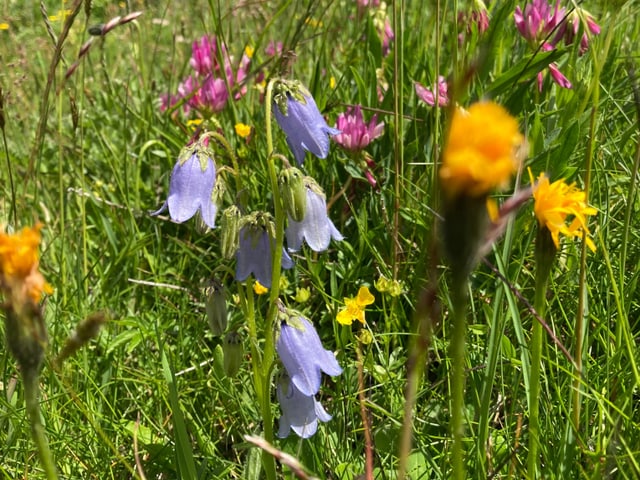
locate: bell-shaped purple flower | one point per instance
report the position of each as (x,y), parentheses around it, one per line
(300,412)
(316,227)
(254,251)
(303,355)
(192,185)
(306,129)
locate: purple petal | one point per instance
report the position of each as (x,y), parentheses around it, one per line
(189,188)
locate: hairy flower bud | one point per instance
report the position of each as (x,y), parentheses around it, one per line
(216,307)
(230,226)
(232,349)
(294,193)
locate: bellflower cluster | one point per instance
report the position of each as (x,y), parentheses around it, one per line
(304,359)
(544,26)
(207,88)
(316,228)
(297,114)
(192,185)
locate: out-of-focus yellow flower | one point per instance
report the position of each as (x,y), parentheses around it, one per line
(242,130)
(4,26)
(248,51)
(19,275)
(259,289)
(354,307)
(481,150)
(60,16)
(332,82)
(194,123)
(556,201)
(385,285)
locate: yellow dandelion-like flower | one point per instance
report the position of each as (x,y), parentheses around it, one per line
(555,202)
(242,130)
(354,307)
(19,275)
(481,150)
(259,289)
(4,26)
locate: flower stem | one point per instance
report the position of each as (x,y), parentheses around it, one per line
(366,424)
(456,354)
(30,377)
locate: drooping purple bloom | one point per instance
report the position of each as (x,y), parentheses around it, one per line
(304,126)
(254,254)
(300,412)
(316,227)
(439,91)
(191,187)
(355,133)
(303,355)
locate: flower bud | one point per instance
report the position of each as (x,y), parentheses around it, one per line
(232,349)
(230,226)
(216,308)
(294,193)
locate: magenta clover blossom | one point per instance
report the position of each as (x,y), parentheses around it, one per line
(355,134)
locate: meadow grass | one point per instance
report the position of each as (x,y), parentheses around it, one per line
(149,396)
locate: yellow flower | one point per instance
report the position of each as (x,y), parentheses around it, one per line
(61,15)
(19,275)
(243,130)
(354,307)
(481,150)
(259,289)
(248,51)
(194,123)
(332,82)
(556,201)
(4,26)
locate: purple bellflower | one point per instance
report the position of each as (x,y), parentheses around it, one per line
(191,188)
(297,114)
(254,251)
(303,355)
(316,227)
(300,412)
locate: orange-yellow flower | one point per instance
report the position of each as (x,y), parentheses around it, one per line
(556,201)
(354,307)
(242,130)
(19,275)
(481,150)
(259,289)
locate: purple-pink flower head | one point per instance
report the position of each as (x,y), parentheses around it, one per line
(191,188)
(356,134)
(254,254)
(439,91)
(580,18)
(538,20)
(300,412)
(477,17)
(297,114)
(303,355)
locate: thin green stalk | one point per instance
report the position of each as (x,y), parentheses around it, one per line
(456,355)
(398,133)
(534,380)
(31,390)
(366,424)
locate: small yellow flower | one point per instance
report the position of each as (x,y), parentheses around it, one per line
(556,201)
(354,307)
(248,51)
(4,26)
(60,16)
(259,289)
(243,130)
(332,82)
(194,124)
(481,150)
(19,274)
